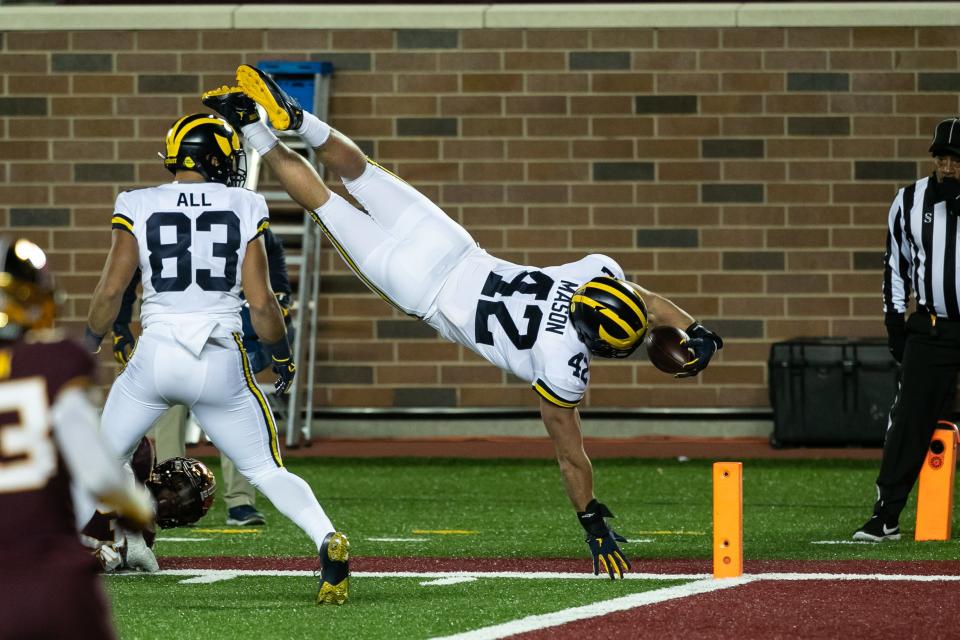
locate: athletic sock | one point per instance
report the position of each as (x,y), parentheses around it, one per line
(292,497)
(314,131)
(259,136)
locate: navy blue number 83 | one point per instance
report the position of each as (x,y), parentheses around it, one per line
(180,249)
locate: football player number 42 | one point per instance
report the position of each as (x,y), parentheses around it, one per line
(530,283)
(28,458)
(176,244)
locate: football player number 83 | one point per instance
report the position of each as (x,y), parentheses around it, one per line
(27,457)
(179,248)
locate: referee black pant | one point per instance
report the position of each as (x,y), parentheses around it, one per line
(928,380)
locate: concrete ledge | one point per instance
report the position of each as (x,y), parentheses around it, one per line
(346,16)
(116,18)
(573,16)
(480,16)
(844,14)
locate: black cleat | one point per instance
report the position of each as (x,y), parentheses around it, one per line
(233,104)
(334,569)
(875,530)
(284,111)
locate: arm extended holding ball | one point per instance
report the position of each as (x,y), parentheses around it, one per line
(702,342)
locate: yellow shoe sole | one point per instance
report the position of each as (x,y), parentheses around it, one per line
(252,85)
(333,594)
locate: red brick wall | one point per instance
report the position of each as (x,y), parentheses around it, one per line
(745,173)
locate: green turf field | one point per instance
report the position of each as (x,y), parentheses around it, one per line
(489,509)
(517,508)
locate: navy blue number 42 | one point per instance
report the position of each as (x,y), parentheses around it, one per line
(579,371)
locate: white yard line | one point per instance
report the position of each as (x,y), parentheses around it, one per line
(529,575)
(534,623)
(862,542)
(183,539)
(446,581)
(211,577)
(889,577)
(436,575)
(398,539)
(554,575)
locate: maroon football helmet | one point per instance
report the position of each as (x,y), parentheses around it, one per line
(184,489)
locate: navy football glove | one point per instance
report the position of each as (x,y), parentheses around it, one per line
(607,555)
(704,343)
(123,343)
(283,366)
(285,370)
(602,541)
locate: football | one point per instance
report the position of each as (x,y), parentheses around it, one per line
(665,351)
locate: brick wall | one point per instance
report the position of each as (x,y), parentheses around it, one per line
(745,173)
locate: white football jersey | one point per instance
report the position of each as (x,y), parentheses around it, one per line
(517,318)
(193,237)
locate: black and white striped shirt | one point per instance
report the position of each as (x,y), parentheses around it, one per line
(922,252)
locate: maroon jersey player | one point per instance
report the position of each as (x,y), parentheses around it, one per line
(48,438)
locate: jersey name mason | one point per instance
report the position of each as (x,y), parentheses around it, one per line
(517,318)
(192,239)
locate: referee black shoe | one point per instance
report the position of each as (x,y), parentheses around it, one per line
(876,530)
(284,111)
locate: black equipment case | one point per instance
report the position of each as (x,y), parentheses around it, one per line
(831,391)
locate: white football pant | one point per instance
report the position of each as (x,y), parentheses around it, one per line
(405,249)
(220,390)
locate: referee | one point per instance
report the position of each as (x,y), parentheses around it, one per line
(921,255)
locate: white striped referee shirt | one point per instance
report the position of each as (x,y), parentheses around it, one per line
(922,252)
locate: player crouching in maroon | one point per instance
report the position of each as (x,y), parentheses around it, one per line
(50,437)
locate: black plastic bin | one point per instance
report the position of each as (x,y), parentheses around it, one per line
(831,391)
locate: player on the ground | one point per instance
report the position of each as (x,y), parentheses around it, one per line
(542,325)
(116,546)
(197,241)
(48,436)
(182,489)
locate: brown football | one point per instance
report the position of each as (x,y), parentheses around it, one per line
(665,351)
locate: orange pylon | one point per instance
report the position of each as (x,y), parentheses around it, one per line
(935,492)
(727,519)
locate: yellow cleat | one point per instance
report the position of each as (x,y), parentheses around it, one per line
(284,111)
(334,569)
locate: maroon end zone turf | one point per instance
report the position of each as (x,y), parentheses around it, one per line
(778,609)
